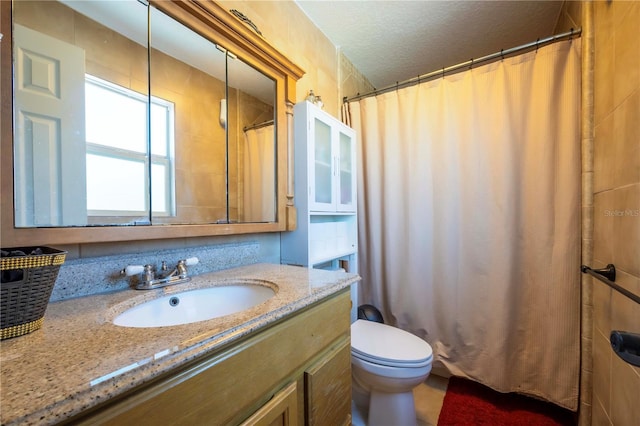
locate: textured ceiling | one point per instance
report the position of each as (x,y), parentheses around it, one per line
(391,41)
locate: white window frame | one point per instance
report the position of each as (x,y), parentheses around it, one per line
(167,161)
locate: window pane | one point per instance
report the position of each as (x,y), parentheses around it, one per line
(159,129)
(124,148)
(114,119)
(115,184)
(159,188)
(322,153)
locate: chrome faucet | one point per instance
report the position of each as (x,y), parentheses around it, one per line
(150,278)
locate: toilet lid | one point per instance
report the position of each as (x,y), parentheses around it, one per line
(383,344)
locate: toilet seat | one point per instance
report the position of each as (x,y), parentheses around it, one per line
(388,363)
(388,346)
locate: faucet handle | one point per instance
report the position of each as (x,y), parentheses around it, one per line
(181,268)
(133,270)
(191,261)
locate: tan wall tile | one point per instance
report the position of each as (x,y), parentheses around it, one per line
(57,18)
(290,31)
(587,190)
(603,224)
(626,136)
(570,16)
(599,415)
(625,313)
(352,81)
(627,50)
(616,228)
(604,60)
(602,371)
(625,400)
(604,153)
(574,11)
(587,224)
(616,215)
(601,309)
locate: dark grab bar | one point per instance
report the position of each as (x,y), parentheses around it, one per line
(608,276)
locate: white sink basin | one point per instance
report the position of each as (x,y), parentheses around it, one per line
(194,305)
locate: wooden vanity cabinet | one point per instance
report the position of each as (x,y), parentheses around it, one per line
(295,372)
(281,410)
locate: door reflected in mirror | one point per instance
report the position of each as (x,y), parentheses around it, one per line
(125,116)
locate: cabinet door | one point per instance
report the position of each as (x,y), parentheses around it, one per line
(328,388)
(321,166)
(281,410)
(346,170)
(332,171)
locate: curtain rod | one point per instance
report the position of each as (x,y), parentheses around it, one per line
(468,64)
(257,126)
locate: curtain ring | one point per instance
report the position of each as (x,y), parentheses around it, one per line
(471,65)
(537,43)
(442,72)
(502,54)
(571,34)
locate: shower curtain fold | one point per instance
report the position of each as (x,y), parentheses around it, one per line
(259,175)
(469,218)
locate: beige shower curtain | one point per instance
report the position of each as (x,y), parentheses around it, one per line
(469,218)
(259,175)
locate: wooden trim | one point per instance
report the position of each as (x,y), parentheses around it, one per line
(282,409)
(6,127)
(238,35)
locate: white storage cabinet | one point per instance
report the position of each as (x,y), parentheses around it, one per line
(325,193)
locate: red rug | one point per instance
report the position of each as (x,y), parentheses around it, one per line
(468,403)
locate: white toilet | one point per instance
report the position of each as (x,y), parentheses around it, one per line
(387,363)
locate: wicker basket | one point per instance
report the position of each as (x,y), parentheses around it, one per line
(27,282)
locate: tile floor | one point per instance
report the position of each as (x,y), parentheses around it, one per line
(428,398)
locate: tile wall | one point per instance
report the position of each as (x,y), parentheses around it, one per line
(616,204)
(289,30)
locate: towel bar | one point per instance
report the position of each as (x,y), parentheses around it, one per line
(608,275)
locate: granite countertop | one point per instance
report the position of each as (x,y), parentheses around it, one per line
(79,359)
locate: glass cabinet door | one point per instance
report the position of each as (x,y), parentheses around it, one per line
(332,177)
(346,173)
(323,190)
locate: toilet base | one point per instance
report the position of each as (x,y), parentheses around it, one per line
(391,409)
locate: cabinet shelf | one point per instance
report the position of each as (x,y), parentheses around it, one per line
(324,213)
(329,257)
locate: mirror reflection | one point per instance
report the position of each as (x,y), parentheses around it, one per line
(252,148)
(125,116)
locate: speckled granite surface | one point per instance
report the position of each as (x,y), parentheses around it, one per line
(79,358)
(85,277)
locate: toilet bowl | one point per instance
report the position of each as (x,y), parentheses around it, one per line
(387,363)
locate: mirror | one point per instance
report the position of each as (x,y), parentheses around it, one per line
(124,116)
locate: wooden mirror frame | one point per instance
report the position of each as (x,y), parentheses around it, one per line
(212,21)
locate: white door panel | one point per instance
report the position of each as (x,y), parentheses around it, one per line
(49,144)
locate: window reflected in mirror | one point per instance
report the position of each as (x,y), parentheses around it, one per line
(189,71)
(124,148)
